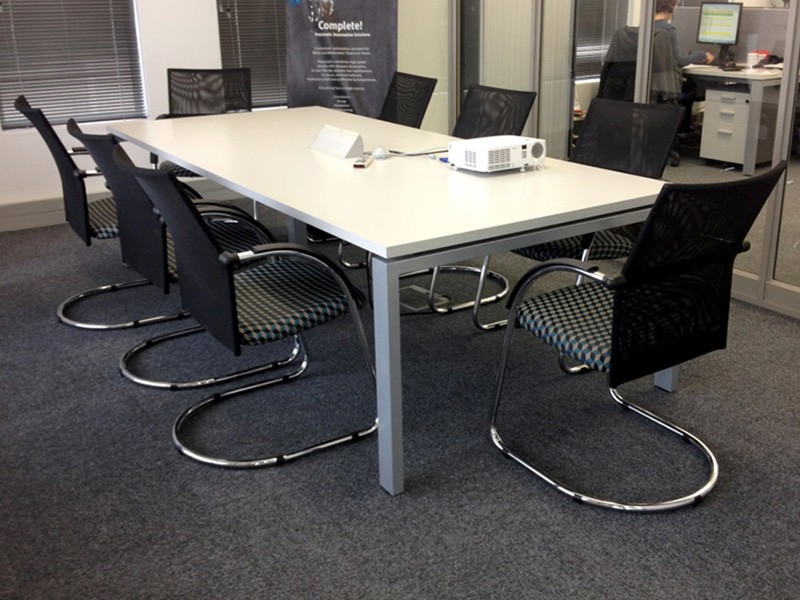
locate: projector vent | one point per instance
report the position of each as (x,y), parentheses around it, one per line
(470,158)
(499,159)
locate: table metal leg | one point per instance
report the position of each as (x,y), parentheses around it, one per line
(296,231)
(667,379)
(386,298)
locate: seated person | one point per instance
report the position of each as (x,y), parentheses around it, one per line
(689,92)
(663,20)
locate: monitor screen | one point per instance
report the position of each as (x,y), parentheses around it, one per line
(719,23)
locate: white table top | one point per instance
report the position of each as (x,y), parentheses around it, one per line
(396,207)
(756,74)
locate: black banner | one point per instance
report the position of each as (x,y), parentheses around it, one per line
(340,53)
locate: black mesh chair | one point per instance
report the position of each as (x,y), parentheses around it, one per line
(620,136)
(194,92)
(148,244)
(95,220)
(407,99)
(489,111)
(269,293)
(405,104)
(618,75)
(485,111)
(144,241)
(668,304)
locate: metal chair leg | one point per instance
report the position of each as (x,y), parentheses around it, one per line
(347,263)
(72,301)
(670,504)
(253,463)
(502,281)
(185,385)
(484,272)
(277,459)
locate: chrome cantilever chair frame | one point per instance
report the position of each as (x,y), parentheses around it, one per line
(210,213)
(144,242)
(668,304)
(268,293)
(591,273)
(96,220)
(279,459)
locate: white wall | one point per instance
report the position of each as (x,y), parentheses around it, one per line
(184,33)
(423,32)
(180,33)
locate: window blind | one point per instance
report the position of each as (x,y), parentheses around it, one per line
(253,35)
(72,58)
(595,24)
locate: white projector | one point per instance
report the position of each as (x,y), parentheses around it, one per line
(497,153)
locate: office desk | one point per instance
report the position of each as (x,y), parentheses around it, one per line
(740,114)
(410,212)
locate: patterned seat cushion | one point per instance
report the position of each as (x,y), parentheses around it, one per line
(103,219)
(576,320)
(607,245)
(172,262)
(284,297)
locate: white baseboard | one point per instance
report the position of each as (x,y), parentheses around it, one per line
(31,214)
(42,213)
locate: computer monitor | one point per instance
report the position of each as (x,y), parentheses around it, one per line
(719,24)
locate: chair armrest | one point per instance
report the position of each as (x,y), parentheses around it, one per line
(84,173)
(233,260)
(561,265)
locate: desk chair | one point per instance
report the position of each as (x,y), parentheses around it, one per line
(96,220)
(145,243)
(194,92)
(621,136)
(407,99)
(266,294)
(668,304)
(486,111)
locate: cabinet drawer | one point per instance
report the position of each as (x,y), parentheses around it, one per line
(725,112)
(727,97)
(723,141)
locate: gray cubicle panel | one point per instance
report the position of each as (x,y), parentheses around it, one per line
(761,29)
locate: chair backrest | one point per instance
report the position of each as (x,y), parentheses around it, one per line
(73,187)
(618,75)
(493,111)
(407,99)
(628,136)
(673,305)
(206,287)
(208,91)
(142,235)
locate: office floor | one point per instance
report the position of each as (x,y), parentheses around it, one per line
(96,503)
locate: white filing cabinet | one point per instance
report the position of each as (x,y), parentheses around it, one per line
(727,121)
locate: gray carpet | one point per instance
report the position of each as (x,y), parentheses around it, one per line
(96,503)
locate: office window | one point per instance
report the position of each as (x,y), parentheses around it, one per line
(72,58)
(253,34)
(595,24)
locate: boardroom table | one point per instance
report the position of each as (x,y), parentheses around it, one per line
(410,211)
